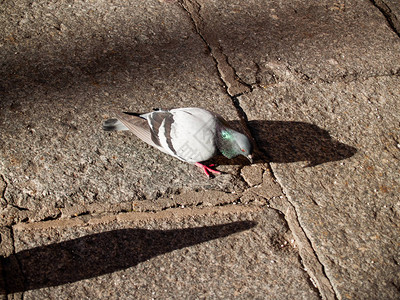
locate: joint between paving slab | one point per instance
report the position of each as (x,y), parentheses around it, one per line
(309,258)
(313,265)
(277,200)
(390,17)
(138,216)
(192,17)
(233,84)
(179,201)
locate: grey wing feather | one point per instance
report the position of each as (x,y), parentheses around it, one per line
(139,126)
(155,120)
(165,120)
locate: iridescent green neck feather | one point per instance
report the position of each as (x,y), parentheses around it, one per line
(232,143)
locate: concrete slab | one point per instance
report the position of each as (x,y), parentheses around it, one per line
(320,41)
(348,206)
(318,85)
(65,68)
(324,111)
(228,252)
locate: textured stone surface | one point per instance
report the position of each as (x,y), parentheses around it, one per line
(324,110)
(65,68)
(268,42)
(391,10)
(348,207)
(215,253)
(319,85)
(252,174)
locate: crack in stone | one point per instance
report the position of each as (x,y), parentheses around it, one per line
(308,255)
(20,208)
(3,196)
(236,202)
(3,192)
(244,121)
(390,17)
(234,79)
(233,84)
(312,281)
(314,267)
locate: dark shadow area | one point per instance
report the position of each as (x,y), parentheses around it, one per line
(286,142)
(83,55)
(101,253)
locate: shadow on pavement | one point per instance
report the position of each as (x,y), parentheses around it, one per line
(285,142)
(288,141)
(101,59)
(101,253)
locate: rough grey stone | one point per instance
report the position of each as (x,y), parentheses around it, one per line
(346,207)
(252,174)
(317,41)
(320,83)
(65,68)
(324,110)
(233,254)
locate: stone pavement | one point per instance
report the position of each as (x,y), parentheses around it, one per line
(98,215)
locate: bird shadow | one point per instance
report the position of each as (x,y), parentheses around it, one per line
(288,141)
(101,253)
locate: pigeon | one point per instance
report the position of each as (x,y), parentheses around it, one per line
(190,134)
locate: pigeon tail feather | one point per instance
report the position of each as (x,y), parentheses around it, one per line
(114,125)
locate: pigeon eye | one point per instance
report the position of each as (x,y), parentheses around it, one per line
(243,150)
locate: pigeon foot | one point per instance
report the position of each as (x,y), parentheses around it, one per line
(207,169)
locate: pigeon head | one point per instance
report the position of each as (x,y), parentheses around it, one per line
(232,143)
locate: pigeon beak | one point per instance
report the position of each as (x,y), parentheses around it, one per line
(250,158)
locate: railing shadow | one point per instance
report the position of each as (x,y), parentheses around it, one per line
(101,253)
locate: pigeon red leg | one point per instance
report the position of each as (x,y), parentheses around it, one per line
(206,169)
